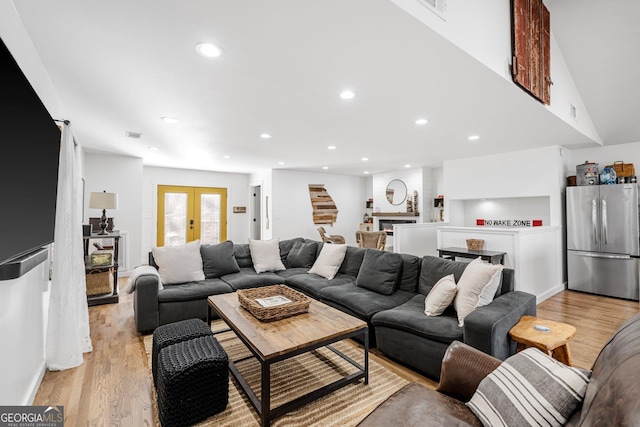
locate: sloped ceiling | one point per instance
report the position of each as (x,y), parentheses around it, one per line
(119,66)
(600,42)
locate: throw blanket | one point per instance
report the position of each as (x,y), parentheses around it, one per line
(143,270)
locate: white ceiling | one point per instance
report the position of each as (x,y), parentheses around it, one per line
(120,65)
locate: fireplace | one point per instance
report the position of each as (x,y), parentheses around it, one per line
(387,224)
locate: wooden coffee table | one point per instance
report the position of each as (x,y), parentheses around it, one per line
(271,342)
(554,342)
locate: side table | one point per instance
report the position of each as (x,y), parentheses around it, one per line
(555,342)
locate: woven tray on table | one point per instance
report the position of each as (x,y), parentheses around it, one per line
(248,300)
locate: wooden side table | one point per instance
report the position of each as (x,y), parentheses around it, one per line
(554,343)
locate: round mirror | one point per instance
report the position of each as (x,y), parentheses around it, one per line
(396,192)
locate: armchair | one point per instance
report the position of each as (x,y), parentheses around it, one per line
(335,238)
(371,239)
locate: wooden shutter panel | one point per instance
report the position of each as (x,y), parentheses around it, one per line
(531,48)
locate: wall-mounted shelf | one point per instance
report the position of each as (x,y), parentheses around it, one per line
(396,214)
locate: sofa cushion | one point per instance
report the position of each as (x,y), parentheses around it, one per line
(248,278)
(410,317)
(301,255)
(410,273)
(265,255)
(529,388)
(311,284)
(286,246)
(416,405)
(434,269)
(364,303)
(179,264)
(218,260)
(440,296)
(329,260)
(476,287)
(242,254)
(293,272)
(379,271)
(193,290)
(352,261)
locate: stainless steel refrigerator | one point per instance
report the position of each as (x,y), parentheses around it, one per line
(603,240)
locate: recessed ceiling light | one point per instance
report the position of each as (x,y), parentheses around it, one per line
(332,147)
(209,50)
(366,172)
(325,167)
(265,136)
(154,148)
(170,120)
(347,94)
(281,163)
(226,156)
(407,166)
(474,137)
(422,121)
(364,159)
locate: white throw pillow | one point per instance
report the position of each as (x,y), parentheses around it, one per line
(440,296)
(476,287)
(329,261)
(265,255)
(179,264)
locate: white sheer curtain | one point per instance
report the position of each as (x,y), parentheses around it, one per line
(68,331)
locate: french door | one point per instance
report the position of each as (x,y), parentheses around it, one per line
(191,213)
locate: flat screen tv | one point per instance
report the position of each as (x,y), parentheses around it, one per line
(29,155)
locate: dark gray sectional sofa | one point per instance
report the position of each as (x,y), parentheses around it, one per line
(385,289)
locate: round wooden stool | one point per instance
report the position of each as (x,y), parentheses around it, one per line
(554,342)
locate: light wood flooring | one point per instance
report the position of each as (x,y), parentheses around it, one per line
(113,387)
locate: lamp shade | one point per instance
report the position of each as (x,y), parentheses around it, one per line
(103,200)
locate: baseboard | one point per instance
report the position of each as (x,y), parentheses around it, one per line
(30,397)
(551,292)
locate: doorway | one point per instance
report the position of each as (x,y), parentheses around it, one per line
(191,213)
(256,212)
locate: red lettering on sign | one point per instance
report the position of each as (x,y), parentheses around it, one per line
(479,222)
(537,223)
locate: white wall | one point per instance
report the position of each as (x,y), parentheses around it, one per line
(528,173)
(292,213)
(522,208)
(483,30)
(22,361)
(237,186)
(122,175)
(416,179)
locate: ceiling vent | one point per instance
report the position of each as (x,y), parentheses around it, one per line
(134,135)
(439,7)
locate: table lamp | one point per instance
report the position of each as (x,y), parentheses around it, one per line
(103,201)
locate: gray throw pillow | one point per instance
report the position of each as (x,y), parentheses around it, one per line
(302,255)
(218,260)
(379,271)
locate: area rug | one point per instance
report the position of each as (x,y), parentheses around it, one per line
(294,377)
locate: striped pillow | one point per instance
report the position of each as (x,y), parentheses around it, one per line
(529,388)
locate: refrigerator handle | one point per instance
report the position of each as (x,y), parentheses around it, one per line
(604,221)
(594,220)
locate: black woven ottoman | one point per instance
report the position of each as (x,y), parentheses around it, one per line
(193,381)
(173,333)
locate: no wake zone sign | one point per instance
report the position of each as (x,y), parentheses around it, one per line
(508,222)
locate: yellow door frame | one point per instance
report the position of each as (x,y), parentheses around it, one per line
(193,210)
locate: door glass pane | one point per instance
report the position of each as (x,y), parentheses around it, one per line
(175,219)
(210,218)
